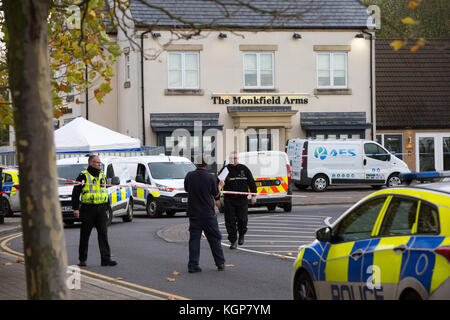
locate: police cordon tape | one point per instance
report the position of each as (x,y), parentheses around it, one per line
(177,189)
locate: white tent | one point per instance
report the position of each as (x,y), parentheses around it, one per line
(81,135)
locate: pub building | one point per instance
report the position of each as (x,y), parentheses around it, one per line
(266,81)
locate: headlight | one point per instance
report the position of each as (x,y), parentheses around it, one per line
(164,188)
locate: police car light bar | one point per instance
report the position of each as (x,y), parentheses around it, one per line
(424,175)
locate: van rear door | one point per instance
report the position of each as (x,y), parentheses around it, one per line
(269,169)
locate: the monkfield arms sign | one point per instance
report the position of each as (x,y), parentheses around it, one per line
(239,99)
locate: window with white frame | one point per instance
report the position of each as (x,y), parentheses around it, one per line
(127,67)
(332,70)
(183,70)
(258,70)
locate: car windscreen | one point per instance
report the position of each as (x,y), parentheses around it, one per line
(71,171)
(170,170)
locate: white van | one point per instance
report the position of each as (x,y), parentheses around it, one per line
(120,195)
(320,163)
(272,174)
(166,175)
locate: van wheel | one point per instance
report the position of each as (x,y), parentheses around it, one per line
(287,207)
(7,208)
(393,180)
(109,216)
(152,208)
(301,186)
(170,213)
(129,216)
(319,183)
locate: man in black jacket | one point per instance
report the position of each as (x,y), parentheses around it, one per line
(239,179)
(202,187)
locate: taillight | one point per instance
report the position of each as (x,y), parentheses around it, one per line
(288,167)
(303,158)
(444,251)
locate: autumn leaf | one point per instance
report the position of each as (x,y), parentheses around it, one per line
(229,265)
(7,264)
(19,260)
(119,278)
(413,4)
(410,21)
(397,44)
(175,273)
(170,279)
(170,298)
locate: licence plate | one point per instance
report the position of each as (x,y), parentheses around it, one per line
(66,209)
(184,200)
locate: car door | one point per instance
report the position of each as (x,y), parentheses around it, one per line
(421,265)
(340,274)
(142,182)
(376,163)
(117,194)
(388,251)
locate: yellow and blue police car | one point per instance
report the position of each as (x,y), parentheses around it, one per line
(393,244)
(10,192)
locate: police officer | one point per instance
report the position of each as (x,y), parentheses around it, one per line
(239,179)
(202,187)
(92,213)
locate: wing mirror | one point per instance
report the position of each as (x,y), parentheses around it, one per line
(140,179)
(115,181)
(324,234)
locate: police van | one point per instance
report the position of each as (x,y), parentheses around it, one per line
(119,188)
(10,179)
(320,163)
(158,183)
(272,174)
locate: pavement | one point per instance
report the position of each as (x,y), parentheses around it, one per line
(12,267)
(13,283)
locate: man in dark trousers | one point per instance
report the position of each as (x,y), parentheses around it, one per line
(202,188)
(92,213)
(239,179)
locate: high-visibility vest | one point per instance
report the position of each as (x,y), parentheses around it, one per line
(93,192)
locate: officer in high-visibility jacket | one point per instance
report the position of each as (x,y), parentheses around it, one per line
(92,213)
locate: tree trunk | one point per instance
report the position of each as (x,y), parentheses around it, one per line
(29,77)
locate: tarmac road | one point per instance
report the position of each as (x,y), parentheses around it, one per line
(154,260)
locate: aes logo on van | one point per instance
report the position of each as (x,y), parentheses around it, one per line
(322,153)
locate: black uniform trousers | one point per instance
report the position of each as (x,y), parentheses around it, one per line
(236,217)
(210,227)
(94,215)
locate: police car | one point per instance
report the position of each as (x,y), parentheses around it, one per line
(10,179)
(393,244)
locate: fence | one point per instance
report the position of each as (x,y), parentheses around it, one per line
(10,158)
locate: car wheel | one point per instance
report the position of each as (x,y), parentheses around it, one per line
(109,216)
(271,207)
(152,208)
(129,216)
(304,288)
(8,211)
(393,180)
(319,183)
(410,294)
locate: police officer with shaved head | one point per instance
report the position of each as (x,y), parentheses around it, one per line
(92,213)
